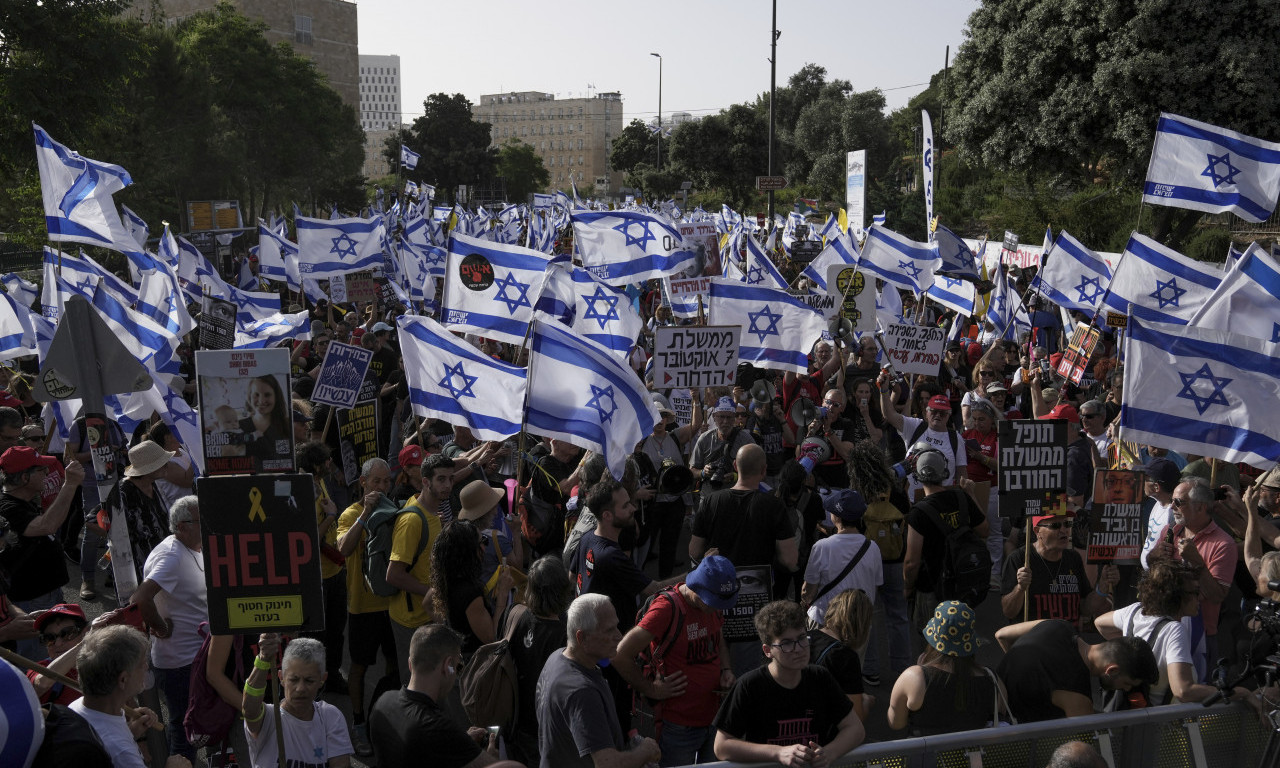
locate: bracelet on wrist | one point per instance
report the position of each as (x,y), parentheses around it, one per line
(248,719)
(255,692)
(261,663)
(1102,594)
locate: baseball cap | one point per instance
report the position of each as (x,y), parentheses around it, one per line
(1063,411)
(69,610)
(725,405)
(1038,519)
(939,403)
(20,458)
(1165,473)
(411,456)
(846,504)
(996,386)
(715,580)
(381,327)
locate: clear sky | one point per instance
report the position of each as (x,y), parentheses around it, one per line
(715,53)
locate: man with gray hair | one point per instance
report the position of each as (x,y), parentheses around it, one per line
(112,668)
(174,603)
(577,723)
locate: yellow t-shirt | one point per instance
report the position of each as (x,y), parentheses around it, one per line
(328,568)
(359,598)
(406,607)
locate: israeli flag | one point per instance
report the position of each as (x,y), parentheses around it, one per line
(1208,392)
(409,158)
(161,299)
(417,271)
(880,218)
(411,189)
(154,346)
(581,393)
(759,269)
(1072,276)
(17,334)
(1160,284)
(1247,301)
(899,260)
(20,290)
(271,330)
(957,258)
(591,308)
(277,258)
(131,409)
(327,248)
(889,309)
(953,293)
(490,288)
(839,250)
(1005,310)
(777,328)
(192,266)
(622,247)
(1206,168)
(451,380)
(135,226)
(77,196)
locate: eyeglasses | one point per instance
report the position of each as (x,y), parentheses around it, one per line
(787,646)
(986,373)
(68,633)
(1056,526)
(1180,503)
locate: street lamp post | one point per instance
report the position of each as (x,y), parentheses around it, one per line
(659,108)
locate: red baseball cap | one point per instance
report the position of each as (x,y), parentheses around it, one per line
(1038,519)
(411,456)
(20,458)
(939,403)
(1063,411)
(69,610)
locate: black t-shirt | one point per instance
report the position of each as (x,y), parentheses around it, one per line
(838,659)
(744,525)
(761,711)
(833,472)
(406,727)
(603,568)
(1044,660)
(532,642)
(1057,589)
(948,504)
(768,435)
(949,706)
(461,596)
(35,564)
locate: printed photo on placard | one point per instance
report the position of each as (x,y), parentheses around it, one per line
(245,411)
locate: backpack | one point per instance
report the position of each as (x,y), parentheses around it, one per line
(489,684)
(376,554)
(543,523)
(652,655)
(885,524)
(208,719)
(951,435)
(965,571)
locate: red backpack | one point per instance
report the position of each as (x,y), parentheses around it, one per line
(209,719)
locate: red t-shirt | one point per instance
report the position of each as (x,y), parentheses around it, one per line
(59,693)
(695,652)
(989,443)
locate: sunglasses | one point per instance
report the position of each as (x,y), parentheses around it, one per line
(47,638)
(1180,503)
(1056,526)
(985,374)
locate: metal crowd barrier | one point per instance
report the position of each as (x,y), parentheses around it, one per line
(1176,736)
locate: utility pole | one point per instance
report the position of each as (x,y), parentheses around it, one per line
(773,84)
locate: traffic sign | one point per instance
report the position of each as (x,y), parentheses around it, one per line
(770,183)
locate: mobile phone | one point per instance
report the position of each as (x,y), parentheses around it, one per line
(1220,493)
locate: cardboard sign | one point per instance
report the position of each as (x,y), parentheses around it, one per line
(682,403)
(341,375)
(362,288)
(261,553)
(1075,358)
(217,323)
(1116,320)
(1033,460)
(914,348)
(695,356)
(338,289)
(1115,526)
(755,590)
(358,431)
(245,411)
(825,303)
(856,296)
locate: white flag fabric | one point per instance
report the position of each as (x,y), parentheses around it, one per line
(758,268)
(777,328)
(590,308)
(839,250)
(490,288)
(581,393)
(271,330)
(623,247)
(329,247)
(1248,299)
(899,260)
(77,196)
(22,291)
(153,346)
(160,298)
(1206,168)
(1159,283)
(1072,276)
(453,381)
(953,293)
(278,258)
(135,226)
(958,260)
(926,161)
(17,334)
(1203,391)
(408,158)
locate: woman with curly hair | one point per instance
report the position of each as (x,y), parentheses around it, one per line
(838,643)
(458,589)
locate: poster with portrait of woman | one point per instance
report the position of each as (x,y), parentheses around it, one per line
(245,411)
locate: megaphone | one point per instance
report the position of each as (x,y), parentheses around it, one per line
(816,448)
(841,329)
(802,411)
(674,479)
(762,392)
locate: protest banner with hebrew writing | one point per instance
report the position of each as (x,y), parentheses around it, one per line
(915,348)
(1033,461)
(693,356)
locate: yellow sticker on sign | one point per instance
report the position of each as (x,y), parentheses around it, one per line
(264,612)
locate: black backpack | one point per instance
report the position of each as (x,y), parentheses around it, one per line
(965,571)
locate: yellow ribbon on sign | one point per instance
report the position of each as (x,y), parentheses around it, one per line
(255,496)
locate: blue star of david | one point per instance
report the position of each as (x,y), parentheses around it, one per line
(767,316)
(1202,403)
(951,282)
(319,753)
(434,256)
(82,188)
(642,239)
(603,401)
(1171,286)
(1221,178)
(343,246)
(178,412)
(1089,289)
(513,303)
(1275,333)
(755,275)
(908,268)
(999,304)
(593,314)
(967,258)
(467,381)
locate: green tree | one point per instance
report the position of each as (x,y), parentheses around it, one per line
(454,146)
(635,145)
(725,151)
(522,169)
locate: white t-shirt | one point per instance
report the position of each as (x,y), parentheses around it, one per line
(169,492)
(307,743)
(939,440)
(1170,646)
(1160,517)
(114,732)
(183,598)
(830,556)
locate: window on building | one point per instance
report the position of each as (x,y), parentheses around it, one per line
(302,30)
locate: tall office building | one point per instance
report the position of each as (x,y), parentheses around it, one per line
(572,136)
(380,110)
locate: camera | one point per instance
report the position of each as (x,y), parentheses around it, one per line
(1045,368)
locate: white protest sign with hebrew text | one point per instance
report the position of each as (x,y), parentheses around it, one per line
(696,356)
(915,348)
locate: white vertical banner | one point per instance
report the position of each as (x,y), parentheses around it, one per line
(855,195)
(927,160)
